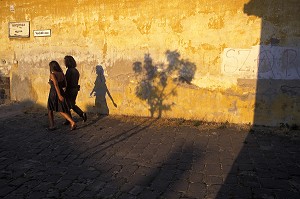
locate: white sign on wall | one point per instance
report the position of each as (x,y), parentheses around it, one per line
(262,62)
(19,29)
(42,33)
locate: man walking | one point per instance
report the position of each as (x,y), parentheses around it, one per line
(72,77)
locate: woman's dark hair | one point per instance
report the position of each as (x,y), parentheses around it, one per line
(70,62)
(55,67)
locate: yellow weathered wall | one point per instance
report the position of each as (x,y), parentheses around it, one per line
(116,33)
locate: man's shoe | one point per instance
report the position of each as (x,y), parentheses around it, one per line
(84,117)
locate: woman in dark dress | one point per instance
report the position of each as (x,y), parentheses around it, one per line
(56,99)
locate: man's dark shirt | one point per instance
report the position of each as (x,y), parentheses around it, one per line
(72,77)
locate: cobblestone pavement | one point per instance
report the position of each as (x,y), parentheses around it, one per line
(127,157)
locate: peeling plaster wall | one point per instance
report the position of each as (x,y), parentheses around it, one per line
(215,35)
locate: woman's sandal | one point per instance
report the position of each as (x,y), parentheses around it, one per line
(73,127)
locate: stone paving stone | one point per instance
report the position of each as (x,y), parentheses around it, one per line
(229,169)
(35,195)
(89,175)
(179,186)
(22,190)
(231,179)
(136,190)
(143,180)
(263,193)
(295,182)
(197,190)
(96,186)
(171,195)
(53,193)
(286,194)
(212,191)
(148,194)
(75,189)
(88,194)
(246,167)
(226,160)
(247,181)
(213,169)
(125,188)
(63,184)
(196,177)
(119,182)
(271,183)
(14,196)
(4,190)
(109,192)
(43,187)
(182,175)
(18,181)
(212,158)
(52,178)
(237,191)
(213,180)
(160,185)
(127,196)
(198,166)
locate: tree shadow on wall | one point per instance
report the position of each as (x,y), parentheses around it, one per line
(158,82)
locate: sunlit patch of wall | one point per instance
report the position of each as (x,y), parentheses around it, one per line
(117,33)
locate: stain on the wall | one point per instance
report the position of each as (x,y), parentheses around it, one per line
(176,25)
(22,89)
(104,51)
(143,24)
(216,22)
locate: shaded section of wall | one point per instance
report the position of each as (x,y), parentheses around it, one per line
(4,89)
(21,87)
(5,66)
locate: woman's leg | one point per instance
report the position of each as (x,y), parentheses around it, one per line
(67,122)
(68,117)
(51,119)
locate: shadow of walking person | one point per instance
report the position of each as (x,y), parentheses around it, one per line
(99,91)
